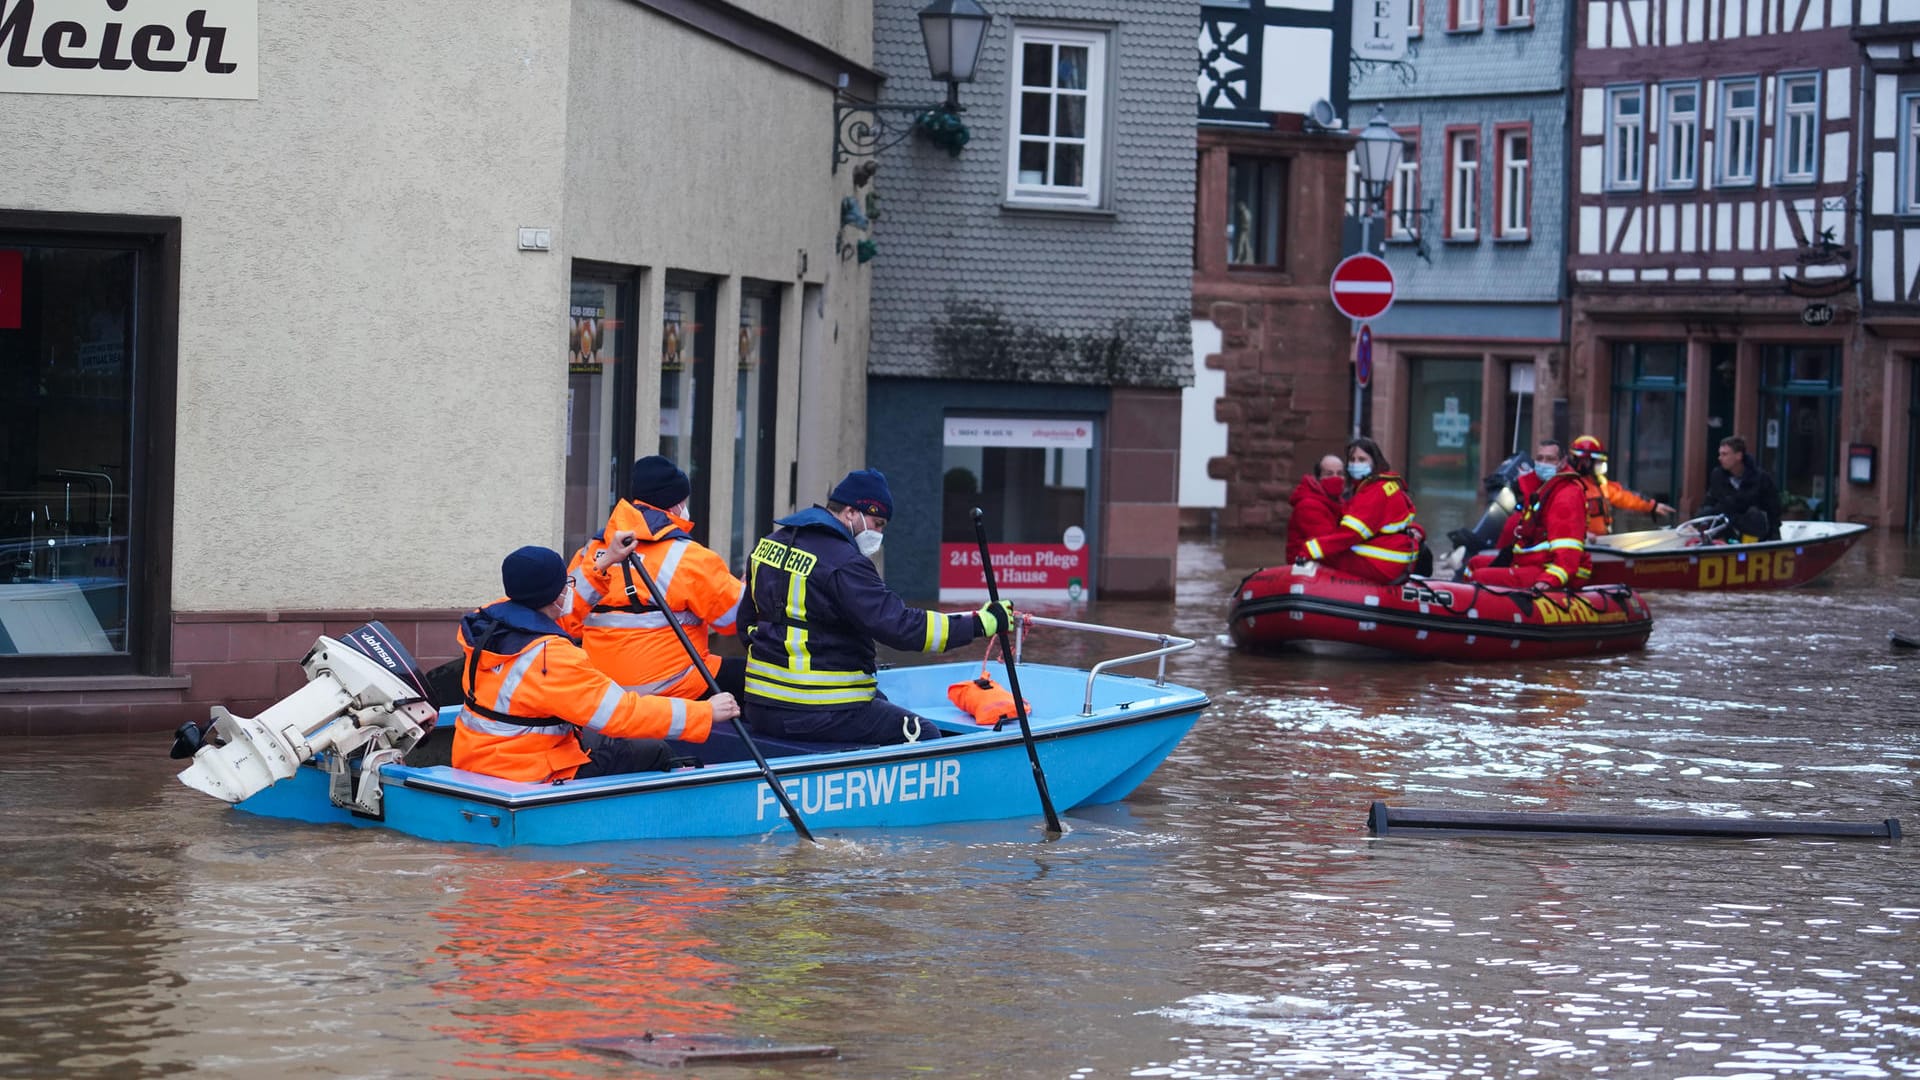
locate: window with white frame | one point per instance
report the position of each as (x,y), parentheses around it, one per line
(1463,185)
(1059,106)
(1416,11)
(1516,12)
(1626,137)
(1516,196)
(1736,132)
(1799,128)
(1910,153)
(1463,14)
(1679,136)
(1404,200)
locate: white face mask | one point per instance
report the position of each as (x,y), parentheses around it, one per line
(1359,470)
(867,540)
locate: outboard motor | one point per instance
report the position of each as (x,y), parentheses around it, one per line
(364,693)
(1502,489)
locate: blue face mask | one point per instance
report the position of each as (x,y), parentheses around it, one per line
(1544,471)
(1359,470)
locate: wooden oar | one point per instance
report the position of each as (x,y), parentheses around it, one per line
(739,723)
(1013,677)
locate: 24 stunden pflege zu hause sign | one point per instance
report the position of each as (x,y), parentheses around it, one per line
(132,48)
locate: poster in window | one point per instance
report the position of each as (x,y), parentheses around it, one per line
(1032,477)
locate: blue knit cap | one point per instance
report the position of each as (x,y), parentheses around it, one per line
(658,482)
(533,576)
(866,491)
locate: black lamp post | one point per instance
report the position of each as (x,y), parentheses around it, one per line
(1378,153)
(954,31)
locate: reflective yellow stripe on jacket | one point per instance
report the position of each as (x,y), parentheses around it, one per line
(797,682)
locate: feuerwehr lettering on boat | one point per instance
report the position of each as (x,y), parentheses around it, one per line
(853,789)
(157,48)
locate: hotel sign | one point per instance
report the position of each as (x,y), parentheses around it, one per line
(155,48)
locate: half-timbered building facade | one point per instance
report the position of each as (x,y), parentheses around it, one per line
(1888,32)
(1713,247)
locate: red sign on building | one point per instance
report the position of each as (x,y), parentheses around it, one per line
(13,276)
(1362,286)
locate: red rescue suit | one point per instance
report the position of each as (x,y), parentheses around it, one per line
(1547,538)
(1377,539)
(1316,512)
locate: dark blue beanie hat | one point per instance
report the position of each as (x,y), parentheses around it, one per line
(658,483)
(866,491)
(533,576)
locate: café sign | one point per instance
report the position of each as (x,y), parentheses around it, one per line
(1817,314)
(155,48)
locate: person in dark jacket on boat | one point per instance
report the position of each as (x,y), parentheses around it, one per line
(1316,503)
(1745,493)
(537,709)
(817,605)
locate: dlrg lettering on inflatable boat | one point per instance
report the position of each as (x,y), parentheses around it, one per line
(854,789)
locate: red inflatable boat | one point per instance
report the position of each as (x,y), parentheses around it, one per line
(1311,607)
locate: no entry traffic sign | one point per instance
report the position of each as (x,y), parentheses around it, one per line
(1362,286)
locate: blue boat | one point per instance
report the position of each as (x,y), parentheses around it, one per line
(1098,734)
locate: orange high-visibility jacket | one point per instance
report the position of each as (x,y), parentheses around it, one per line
(531,690)
(1378,538)
(1603,496)
(614,614)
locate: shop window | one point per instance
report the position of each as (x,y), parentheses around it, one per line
(1737,132)
(1799,408)
(1649,407)
(1679,136)
(1256,216)
(1033,478)
(86,457)
(1059,101)
(756,407)
(1444,433)
(601,355)
(1626,137)
(686,383)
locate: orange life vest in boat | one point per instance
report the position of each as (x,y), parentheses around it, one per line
(985,699)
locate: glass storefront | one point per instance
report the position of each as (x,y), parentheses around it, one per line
(70,347)
(1444,433)
(1032,479)
(756,407)
(600,385)
(1799,405)
(686,384)
(1649,406)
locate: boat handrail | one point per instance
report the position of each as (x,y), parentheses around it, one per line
(1169,644)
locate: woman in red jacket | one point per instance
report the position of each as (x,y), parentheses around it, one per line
(1377,538)
(1317,505)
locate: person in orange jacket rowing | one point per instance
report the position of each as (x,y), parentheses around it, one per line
(1543,544)
(1602,494)
(538,710)
(614,614)
(1377,539)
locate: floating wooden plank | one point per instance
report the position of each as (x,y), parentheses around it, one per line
(1384,820)
(676,1051)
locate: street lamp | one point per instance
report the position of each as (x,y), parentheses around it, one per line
(1378,153)
(954,31)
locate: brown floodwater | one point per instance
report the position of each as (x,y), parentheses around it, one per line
(1232,919)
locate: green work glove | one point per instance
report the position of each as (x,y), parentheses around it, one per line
(995,615)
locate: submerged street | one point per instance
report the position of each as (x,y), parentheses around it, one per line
(1231,919)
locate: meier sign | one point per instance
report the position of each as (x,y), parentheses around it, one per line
(156,48)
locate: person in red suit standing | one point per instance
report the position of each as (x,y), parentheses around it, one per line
(1544,542)
(1377,538)
(1316,502)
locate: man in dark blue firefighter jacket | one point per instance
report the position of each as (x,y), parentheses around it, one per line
(817,605)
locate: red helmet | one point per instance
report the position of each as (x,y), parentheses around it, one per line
(1588,449)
